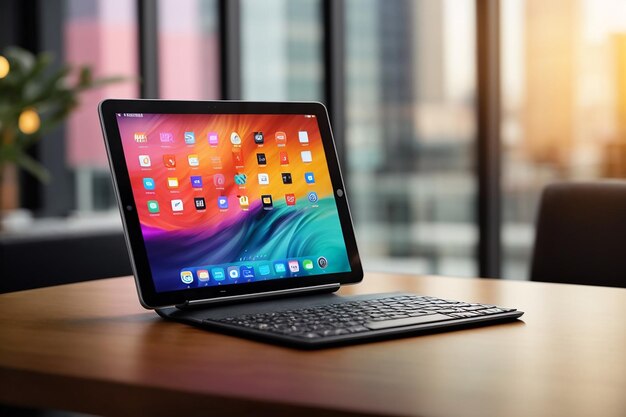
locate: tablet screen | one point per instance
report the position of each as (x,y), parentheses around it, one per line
(232,198)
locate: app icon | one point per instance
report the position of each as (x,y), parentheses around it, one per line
(148,183)
(172,182)
(312,197)
(264,179)
(266,199)
(237,157)
(196,181)
(281,138)
(307,264)
(169,161)
(233,272)
(140,137)
(309,178)
(294,266)
(303,136)
(244,202)
(153,206)
(199,203)
(177,205)
(264,269)
(260,158)
(247,272)
(322,262)
(286,177)
(284,158)
(280,267)
(235,139)
(166,137)
(306,156)
(290,199)
(186,277)
(193,160)
(219,180)
(216,162)
(240,179)
(203,274)
(258,138)
(222,202)
(218,274)
(213,138)
(144,161)
(190,138)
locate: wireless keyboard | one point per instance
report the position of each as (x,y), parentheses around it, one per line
(364,319)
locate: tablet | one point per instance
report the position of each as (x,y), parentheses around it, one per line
(220,199)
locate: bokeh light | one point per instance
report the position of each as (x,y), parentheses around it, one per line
(29,121)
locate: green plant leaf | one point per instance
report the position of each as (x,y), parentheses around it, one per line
(34,81)
(99,82)
(49,88)
(84,77)
(30,165)
(21,58)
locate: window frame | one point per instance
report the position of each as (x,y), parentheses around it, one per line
(37,25)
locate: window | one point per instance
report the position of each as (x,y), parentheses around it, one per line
(188,50)
(408,122)
(281,51)
(102,35)
(410,86)
(563,106)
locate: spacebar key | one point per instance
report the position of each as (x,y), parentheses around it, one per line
(387,324)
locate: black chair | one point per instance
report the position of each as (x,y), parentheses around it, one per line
(581,234)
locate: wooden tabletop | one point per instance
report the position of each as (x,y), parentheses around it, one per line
(91,347)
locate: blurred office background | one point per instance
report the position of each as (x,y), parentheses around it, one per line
(450,115)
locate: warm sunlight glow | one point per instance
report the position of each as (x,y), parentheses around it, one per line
(29,121)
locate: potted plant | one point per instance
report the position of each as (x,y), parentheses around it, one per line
(34,98)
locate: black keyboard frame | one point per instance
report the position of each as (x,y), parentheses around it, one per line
(199,318)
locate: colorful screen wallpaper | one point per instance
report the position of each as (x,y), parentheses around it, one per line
(228,199)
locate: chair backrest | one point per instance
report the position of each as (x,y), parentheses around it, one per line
(581,234)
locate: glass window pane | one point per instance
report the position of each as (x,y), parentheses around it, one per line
(410,81)
(189,63)
(564,106)
(103,35)
(281,51)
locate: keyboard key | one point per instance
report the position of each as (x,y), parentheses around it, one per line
(356,329)
(377,325)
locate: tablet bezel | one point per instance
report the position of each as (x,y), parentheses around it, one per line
(148,295)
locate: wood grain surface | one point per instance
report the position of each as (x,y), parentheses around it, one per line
(91,347)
